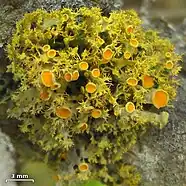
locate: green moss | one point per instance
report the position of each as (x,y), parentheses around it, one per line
(40,172)
(93,183)
(52,116)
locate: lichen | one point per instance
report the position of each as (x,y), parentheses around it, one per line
(89,86)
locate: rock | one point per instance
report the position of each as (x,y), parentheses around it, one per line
(7,163)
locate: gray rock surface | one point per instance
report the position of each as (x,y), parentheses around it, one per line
(7,162)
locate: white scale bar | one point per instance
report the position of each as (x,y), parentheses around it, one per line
(11,180)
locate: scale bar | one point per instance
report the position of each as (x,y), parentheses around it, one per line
(11,180)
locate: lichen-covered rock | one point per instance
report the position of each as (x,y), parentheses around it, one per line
(90,85)
(161,154)
(13,10)
(7,163)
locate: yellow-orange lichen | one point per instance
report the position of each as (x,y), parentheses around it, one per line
(127,55)
(83,66)
(44,95)
(65,17)
(68,77)
(107,54)
(47,78)
(99,40)
(132,81)
(57,177)
(168,54)
(63,112)
(83,127)
(129,29)
(56,86)
(96,113)
(46,48)
(95,72)
(48,35)
(147,81)
(130,107)
(90,87)
(51,53)
(134,43)
(75,75)
(63,156)
(55,32)
(169,65)
(83,167)
(160,98)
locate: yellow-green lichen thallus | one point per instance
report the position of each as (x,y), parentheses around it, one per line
(86,84)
